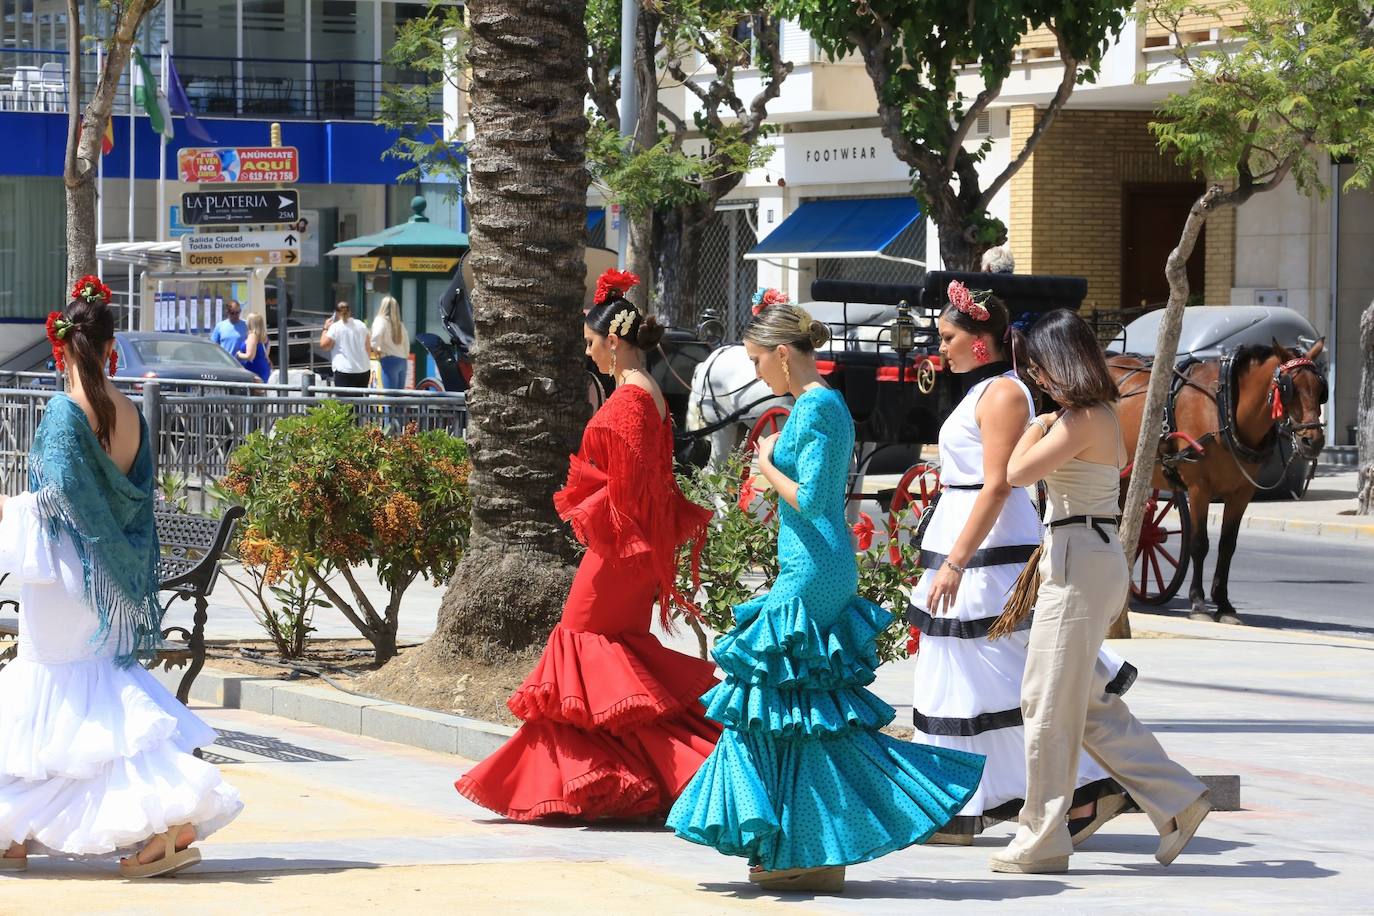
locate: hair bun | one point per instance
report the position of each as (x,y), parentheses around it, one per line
(819,333)
(649,332)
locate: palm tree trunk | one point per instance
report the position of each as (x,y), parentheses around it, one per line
(528,401)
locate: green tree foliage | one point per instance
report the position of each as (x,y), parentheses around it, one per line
(434,48)
(915,53)
(1282,96)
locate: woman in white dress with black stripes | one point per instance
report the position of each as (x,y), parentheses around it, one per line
(982,532)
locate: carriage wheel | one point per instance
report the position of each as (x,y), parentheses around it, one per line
(1161,560)
(771,422)
(915,493)
(429,384)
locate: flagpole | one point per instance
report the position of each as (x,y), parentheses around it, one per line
(162,160)
(132,173)
(99,173)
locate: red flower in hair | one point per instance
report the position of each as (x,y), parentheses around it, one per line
(767,297)
(55,337)
(91,288)
(963,300)
(863,530)
(614,281)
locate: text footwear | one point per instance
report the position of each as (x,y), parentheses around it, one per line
(825,880)
(1107,808)
(1186,824)
(171,862)
(1056,866)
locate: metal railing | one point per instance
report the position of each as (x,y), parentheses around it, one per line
(285,88)
(197,432)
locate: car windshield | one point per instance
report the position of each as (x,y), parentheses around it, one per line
(189,352)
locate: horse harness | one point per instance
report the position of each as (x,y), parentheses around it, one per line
(1281,393)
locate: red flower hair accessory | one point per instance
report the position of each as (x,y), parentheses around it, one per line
(90,288)
(766,297)
(58,329)
(617,282)
(968,301)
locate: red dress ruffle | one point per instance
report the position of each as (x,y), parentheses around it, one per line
(613,723)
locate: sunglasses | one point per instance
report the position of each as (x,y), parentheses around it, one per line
(1038,375)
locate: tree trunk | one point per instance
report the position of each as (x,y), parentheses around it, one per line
(639,248)
(83,143)
(677,247)
(528,400)
(1166,351)
(1364,419)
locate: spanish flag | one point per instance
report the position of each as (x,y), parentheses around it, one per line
(107,141)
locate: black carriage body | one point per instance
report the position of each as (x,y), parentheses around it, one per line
(879,384)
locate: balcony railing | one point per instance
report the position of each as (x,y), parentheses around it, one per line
(282,88)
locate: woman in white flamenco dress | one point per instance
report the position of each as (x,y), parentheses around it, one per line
(95,755)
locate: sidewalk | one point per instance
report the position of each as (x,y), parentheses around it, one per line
(338,823)
(1328,510)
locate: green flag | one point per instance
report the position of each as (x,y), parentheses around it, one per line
(152,101)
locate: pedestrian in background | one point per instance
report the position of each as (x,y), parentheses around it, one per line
(254,352)
(1083,582)
(231,333)
(391,343)
(347,337)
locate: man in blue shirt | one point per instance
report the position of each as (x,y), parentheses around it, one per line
(232,333)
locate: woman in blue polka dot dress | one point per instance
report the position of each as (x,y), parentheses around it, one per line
(802,782)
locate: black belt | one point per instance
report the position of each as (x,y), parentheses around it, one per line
(962,486)
(1093,521)
(988,556)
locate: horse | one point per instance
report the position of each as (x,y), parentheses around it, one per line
(727,398)
(1223,420)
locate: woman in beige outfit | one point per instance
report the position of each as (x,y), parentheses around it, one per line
(1084,578)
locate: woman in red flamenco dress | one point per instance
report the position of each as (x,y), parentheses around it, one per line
(613,727)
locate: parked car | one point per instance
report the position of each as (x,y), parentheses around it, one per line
(149,354)
(1211,330)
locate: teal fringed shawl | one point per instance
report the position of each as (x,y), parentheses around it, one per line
(109,517)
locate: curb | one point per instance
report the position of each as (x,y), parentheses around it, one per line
(1350,531)
(354,715)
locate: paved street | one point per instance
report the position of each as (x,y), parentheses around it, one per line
(1290,581)
(336,823)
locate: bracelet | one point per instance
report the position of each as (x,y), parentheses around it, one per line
(1044,430)
(955,566)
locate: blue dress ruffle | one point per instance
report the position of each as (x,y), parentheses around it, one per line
(802,777)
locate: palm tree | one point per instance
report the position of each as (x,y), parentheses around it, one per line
(528,403)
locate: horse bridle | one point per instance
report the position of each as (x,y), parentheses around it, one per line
(1282,389)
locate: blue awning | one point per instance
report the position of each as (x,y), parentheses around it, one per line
(840,229)
(595,218)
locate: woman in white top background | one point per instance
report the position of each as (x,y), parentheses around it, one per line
(347,337)
(391,343)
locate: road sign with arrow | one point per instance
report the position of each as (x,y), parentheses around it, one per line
(241,249)
(239,208)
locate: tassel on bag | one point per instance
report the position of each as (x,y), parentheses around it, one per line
(1022,600)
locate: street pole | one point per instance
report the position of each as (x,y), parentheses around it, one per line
(99,173)
(132,173)
(629,101)
(283,330)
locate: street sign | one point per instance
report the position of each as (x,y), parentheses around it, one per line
(239,208)
(239,164)
(241,249)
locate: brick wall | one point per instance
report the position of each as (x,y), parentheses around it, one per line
(1066,202)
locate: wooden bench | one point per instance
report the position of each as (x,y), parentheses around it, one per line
(188,566)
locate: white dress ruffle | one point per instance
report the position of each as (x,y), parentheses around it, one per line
(94,759)
(967,692)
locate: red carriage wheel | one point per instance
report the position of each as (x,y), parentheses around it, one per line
(915,493)
(766,425)
(1161,559)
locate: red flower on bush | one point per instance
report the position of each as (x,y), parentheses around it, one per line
(913,643)
(747,492)
(863,530)
(617,282)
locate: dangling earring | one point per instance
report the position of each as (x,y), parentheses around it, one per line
(615,374)
(787,374)
(980,350)
(114,362)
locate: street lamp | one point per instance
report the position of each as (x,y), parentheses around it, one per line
(711,329)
